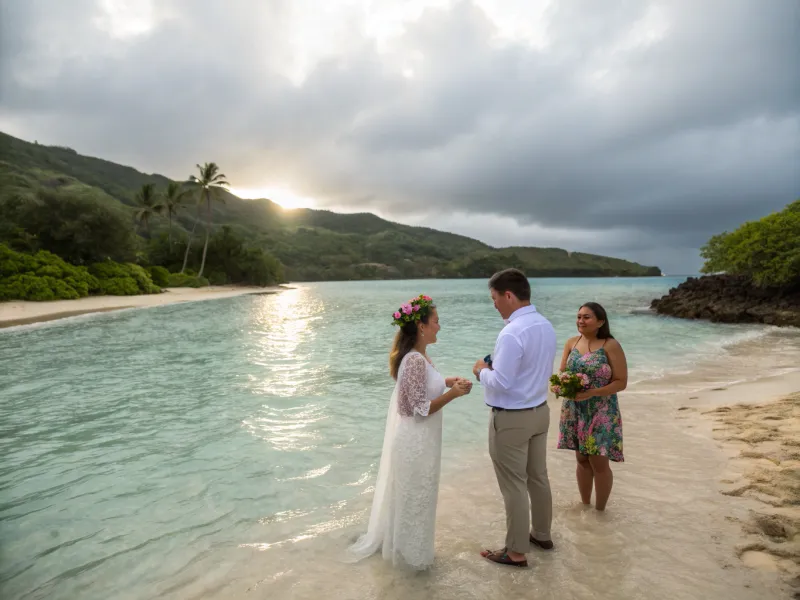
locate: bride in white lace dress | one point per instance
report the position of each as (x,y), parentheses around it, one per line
(403,517)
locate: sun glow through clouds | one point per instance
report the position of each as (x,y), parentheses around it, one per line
(284,197)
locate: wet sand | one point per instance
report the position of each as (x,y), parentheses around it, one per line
(17,313)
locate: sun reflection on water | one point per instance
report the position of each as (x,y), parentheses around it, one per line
(288,428)
(280,344)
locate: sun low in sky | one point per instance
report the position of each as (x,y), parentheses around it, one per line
(282,196)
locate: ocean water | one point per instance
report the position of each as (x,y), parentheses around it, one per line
(227,448)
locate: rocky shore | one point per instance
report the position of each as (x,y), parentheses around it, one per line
(731,299)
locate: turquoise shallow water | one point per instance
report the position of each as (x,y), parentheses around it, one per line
(146,447)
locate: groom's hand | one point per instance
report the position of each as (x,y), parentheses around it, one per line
(479,366)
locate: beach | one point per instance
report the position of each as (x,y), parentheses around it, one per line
(707,505)
(758,428)
(229,449)
(17,313)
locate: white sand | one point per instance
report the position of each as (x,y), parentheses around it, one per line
(759,429)
(24,312)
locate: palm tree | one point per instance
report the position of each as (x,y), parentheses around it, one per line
(172,201)
(191,237)
(149,205)
(209,183)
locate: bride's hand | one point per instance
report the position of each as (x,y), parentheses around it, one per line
(461,387)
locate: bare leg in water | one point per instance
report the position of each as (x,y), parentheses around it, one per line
(585,477)
(603,480)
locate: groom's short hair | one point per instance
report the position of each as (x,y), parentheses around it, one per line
(511,280)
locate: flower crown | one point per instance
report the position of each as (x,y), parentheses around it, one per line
(413,310)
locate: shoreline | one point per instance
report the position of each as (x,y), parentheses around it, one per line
(691,499)
(17,313)
(679,517)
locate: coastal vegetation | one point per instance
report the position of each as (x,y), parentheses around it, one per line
(767,251)
(89,211)
(753,275)
(45,276)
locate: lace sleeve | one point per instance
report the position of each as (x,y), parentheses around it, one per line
(412,393)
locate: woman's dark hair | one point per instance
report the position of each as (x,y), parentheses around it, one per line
(511,280)
(604,333)
(404,341)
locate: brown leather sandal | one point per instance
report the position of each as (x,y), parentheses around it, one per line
(502,558)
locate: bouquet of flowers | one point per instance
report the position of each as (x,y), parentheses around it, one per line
(568,384)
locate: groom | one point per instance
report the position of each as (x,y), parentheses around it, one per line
(515,387)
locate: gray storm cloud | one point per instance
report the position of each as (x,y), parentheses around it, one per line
(637,130)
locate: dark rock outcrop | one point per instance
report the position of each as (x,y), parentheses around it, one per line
(731,299)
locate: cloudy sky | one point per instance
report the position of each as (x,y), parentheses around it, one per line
(631,128)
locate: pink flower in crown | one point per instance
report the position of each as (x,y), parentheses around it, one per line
(406,308)
(416,308)
(397,315)
(427,298)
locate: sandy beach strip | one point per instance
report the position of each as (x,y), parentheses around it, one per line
(758,428)
(17,313)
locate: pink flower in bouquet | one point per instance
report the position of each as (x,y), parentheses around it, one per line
(406,308)
(565,376)
(557,390)
(397,315)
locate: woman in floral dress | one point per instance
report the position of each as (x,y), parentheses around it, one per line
(591,424)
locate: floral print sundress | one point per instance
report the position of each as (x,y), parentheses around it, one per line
(593,426)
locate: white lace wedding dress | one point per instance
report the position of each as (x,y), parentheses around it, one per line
(403,517)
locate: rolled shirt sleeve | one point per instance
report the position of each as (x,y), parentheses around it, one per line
(505,364)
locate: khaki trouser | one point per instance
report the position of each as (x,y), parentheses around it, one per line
(518,447)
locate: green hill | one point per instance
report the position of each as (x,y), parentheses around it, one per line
(311,244)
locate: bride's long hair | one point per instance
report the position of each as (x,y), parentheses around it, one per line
(404,342)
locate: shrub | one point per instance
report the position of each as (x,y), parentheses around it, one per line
(143,280)
(217,278)
(159,275)
(184,280)
(126,279)
(119,286)
(42,276)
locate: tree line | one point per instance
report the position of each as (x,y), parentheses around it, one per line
(766,250)
(81,225)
